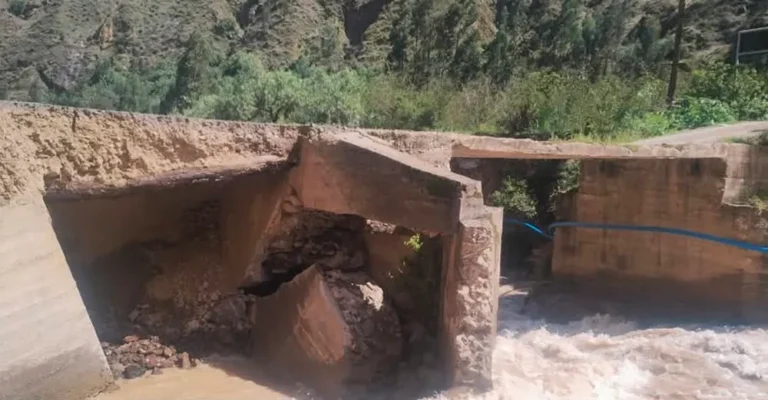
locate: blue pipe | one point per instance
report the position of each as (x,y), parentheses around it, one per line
(637,228)
(511,221)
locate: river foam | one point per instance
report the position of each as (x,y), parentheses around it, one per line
(605,357)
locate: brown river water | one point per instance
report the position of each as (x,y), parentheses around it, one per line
(594,356)
(605,357)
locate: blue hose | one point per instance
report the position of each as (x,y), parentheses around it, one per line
(637,228)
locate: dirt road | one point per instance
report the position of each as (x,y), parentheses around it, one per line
(711,134)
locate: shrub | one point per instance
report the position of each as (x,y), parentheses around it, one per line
(473,108)
(565,106)
(228,29)
(742,88)
(567,177)
(515,198)
(114,88)
(392,103)
(17,7)
(759,140)
(693,112)
(650,124)
(332,98)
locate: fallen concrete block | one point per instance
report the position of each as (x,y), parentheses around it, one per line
(327,329)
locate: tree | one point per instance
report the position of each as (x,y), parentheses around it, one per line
(510,48)
(468,59)
(278,95)
(676,55)
(605,37)
(498,57)
(646,48)
(196,72)
(398,37)
(568,46)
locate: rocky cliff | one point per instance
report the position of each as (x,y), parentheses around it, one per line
(57,44)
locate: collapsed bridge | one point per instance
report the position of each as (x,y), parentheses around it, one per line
(287,242)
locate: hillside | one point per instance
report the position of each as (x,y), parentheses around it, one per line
(58,42)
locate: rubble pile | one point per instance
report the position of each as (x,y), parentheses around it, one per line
(219,317)
(313,237)
(338,334)
(137,357)
(216,323)
(336,303)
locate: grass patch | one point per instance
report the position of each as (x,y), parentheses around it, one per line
(620,138)
(759,140)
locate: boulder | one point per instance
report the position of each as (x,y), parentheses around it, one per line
(327,329)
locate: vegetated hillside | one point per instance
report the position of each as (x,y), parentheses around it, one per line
(58,43)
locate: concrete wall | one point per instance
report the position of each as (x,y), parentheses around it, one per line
(48,347)
(747,173)
(686,194)
(96,226)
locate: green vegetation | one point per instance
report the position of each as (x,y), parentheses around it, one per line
(567,178)
(536,195)
(17,7)
(543,69)
(759,202)
(114,87)
(754,198)
(414,243)
(515,197)
(548,105)
(759,140)
(419,276)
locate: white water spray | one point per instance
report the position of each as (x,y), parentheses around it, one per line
(603,357)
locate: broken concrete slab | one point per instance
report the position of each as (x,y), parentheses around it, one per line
(253,213)
(340,330)
(352,174)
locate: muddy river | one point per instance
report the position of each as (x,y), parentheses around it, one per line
(593,356)
(606,357)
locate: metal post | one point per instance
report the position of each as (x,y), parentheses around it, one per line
(676,56)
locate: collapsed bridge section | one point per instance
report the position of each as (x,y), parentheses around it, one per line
(364,241)
(288,257)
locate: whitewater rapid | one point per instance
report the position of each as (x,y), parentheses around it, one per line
(605,357)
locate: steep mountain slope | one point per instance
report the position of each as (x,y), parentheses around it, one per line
(57,43)
(714,23)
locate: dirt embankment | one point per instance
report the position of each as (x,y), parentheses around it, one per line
(65,146)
